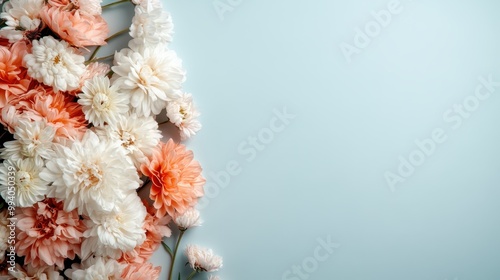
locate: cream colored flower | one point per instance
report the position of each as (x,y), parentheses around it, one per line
(96,268)
(91,7)
(138,136)
(151,26)
(110,233)
(101,102)
(90,174)
(33,139)
(55,63)
(26,183)
(183,114)
(190,218)
(152,76)
(21,17)
(202,259)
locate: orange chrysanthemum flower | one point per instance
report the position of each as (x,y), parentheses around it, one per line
(14,80)
(77,28)
(47,234)
(58,109)
(176,177)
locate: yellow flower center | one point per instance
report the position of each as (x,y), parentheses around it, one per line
(89,175)
(100,102)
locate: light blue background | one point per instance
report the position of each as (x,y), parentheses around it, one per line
(324,174)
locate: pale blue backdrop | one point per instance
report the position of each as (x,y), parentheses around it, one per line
(304,118)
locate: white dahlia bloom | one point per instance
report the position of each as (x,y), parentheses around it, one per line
(202,259)
(96,268)
(101,102)
(183,114)
(23,177)
(110,233)
(139,136)
(55,63)
(91,7)
(33,139)
(21,17)
(91,173)
(190,218)
(151,76)
(4,235)
(151,26)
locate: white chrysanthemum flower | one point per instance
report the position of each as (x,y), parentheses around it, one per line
(21,17)
(92,173)
(190,218)
(91,7)
(4,235)
(139,136)
(202,259)
(29,273)
(33,139)
(151,26)
(110,233)
(23,177)
(102,103)
(183,114)
(151,76)
(96,268)
(55,63)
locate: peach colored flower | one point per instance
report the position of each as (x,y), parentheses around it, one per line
(141,272)
(156,228)
(47,234)
(14,80)
(176,177)
(28,272)
(94,69)
(78,29)
(58,110)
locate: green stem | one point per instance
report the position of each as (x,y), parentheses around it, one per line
(175,254)
(100,58)
(192,275)
(113,4)
(123,31)
(94,53)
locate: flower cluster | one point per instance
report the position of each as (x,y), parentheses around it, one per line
(85,138)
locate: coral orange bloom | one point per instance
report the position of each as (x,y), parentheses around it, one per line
(141,272)
(176,177)
(57,109)
(78,29)
(14,80)
(48,234)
